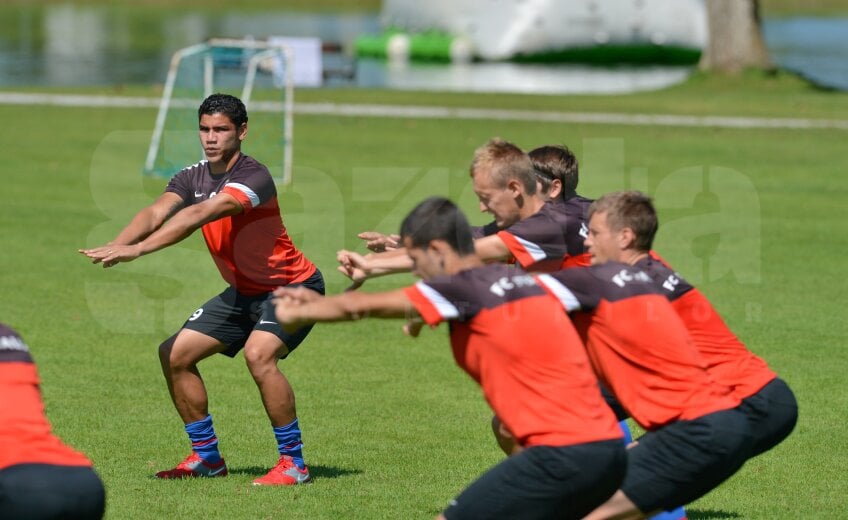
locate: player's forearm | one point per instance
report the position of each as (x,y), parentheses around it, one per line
(390,262)
(175,230)
(140,227)
(352,307)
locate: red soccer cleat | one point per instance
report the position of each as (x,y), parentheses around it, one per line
(194,466)
(285,473)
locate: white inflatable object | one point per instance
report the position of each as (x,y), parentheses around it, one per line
(502,29)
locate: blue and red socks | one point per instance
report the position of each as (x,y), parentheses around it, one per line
(289,443)
(204,442)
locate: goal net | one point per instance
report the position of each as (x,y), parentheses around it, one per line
(260,73)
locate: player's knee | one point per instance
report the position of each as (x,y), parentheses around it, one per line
(165,349)
(259,360)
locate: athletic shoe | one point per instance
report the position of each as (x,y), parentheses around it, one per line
(194,466)
(285,473)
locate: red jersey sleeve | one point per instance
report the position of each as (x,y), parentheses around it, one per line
(430,304)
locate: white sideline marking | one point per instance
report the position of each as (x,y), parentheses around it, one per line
(436,112)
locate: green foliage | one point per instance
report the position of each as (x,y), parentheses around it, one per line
(392,428)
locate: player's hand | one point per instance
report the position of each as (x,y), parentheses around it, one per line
(379,242)
(413,327)
(354,266)
(285,311)
(111,255)
(287,306)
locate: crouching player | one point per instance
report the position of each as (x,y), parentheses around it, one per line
(766,399)
(516,342)
(40,477)
(640,349)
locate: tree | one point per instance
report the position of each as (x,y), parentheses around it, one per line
(735,36)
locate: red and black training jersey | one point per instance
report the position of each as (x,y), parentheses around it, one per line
(576,210)
(727,359)
(552,238)
(516,342)
(538,242)
(637,344)
(25,436)
(252,249)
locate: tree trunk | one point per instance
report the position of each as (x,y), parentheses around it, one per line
(735,37)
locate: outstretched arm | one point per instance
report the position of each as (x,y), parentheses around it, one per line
(297,307)
(149,219)
(181,225)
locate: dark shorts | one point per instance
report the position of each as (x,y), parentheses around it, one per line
(683,461)
(772,413)
(231,316)
(545,482)
(45,491)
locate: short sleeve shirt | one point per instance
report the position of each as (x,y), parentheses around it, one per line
(538,242)
(726,357)
(25,435)
(637,344)
(515,341)
(251,249)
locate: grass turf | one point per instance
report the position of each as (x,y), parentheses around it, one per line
(391,427)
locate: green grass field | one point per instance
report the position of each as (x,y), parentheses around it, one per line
(392,429)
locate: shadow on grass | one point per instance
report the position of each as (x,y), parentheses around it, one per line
(316,471)
(710,514)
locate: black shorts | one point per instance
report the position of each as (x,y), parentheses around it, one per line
(47,491)
(772,413)
(231,316)
(683,461)
(545,482)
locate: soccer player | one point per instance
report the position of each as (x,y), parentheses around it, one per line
(640,349)
(232,198)
(514,340)
(557,173)
(531,231)
(40,477)
(631,221)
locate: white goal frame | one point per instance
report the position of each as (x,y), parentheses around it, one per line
(266,51)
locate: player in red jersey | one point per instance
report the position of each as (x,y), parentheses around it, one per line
(556,173)
(232,198)
(766,399)
(531,230)
(513,339)
(697,436)
(40,477)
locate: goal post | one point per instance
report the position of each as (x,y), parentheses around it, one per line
(220,64)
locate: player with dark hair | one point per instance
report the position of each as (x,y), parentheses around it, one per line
(531,231)
(556,171)
(640,349)
(572,456)
(558,163)
(766,399)
(231,197)
(40,477)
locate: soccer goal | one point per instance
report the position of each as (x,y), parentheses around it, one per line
(259,72)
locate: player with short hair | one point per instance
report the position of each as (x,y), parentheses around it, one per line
(514,340)
(766,399)
(530,230)
(231,197)
(640,349)
(40,476)
(557,167)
